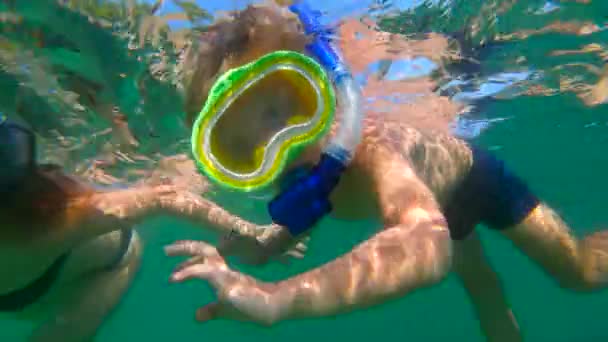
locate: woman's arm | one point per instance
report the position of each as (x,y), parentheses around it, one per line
(103,212)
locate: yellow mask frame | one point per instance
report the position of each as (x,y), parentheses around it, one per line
(300,72)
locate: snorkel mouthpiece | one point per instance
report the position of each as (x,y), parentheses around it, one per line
(306,201)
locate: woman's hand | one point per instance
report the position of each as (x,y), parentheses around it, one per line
(263,244)
(239,297)
(269,242)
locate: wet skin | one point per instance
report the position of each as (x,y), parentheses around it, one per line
(404,173)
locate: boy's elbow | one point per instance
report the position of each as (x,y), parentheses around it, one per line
(430,241)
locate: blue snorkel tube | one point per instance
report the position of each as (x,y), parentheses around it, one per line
(306,201)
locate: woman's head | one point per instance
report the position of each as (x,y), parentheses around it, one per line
(31,195)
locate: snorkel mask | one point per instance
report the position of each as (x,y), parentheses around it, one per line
(17,154)
(306,200)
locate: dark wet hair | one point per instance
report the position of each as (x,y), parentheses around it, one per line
(32,197)
(41,205)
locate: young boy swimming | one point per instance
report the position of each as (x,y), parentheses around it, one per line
(429,188)
(69,250)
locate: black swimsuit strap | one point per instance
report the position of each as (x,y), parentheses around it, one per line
(20,299)
(126,237)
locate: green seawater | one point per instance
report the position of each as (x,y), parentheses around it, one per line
(557,143)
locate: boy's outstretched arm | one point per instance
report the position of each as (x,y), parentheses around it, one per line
(413,252)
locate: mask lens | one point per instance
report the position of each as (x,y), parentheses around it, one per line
(281,99)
